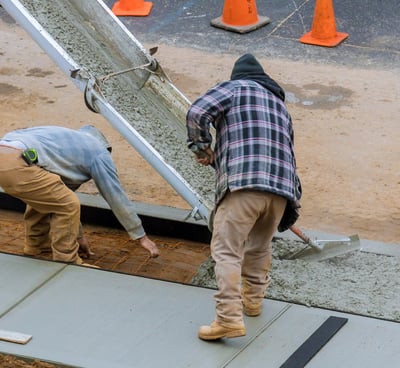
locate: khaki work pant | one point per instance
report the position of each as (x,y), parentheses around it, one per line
(52,216)
(244,224)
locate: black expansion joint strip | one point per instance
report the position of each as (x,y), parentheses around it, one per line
(315,343)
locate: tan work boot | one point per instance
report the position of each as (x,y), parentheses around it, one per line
(35,251)
(216,331)
(252,309)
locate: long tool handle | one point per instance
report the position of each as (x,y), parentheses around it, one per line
(304,237)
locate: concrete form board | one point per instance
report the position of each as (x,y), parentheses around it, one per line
(361,343)
(161,218)
(280,340)
(92,318)
(157,219)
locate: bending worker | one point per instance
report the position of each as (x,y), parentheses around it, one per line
(256,182)
(43,166)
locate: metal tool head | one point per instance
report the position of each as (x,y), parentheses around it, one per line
(329,249)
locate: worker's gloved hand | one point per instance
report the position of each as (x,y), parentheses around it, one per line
(150,246)
(84,248)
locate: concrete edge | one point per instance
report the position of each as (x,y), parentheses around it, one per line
(175,222)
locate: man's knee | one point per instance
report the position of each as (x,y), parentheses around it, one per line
(72,204)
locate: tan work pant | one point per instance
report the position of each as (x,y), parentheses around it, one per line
(244,224)
(52,215)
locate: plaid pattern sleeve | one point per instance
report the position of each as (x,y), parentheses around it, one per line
(205,112)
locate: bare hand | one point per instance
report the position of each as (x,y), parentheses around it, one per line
(206,157)
(84,247)
(149,245)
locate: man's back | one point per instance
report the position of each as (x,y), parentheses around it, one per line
(63,151)
(254,137)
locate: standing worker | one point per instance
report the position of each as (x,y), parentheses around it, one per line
(43,166)
(256,184)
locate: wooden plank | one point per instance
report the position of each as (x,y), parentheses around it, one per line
(12,336)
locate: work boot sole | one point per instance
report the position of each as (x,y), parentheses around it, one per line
(207,333)
(32,252)
(231,334)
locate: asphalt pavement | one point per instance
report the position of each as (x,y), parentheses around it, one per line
(373,28)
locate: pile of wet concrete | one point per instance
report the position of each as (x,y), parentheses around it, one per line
(358,282)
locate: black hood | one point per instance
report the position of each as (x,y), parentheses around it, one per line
(247,67)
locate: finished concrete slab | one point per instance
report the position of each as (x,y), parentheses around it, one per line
(86,317)
(92,318)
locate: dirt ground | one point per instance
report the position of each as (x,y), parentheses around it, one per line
(346,128)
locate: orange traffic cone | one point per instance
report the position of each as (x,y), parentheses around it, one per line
(240,16)
(323,32)
(138,8)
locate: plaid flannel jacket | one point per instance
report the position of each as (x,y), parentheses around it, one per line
(254,145)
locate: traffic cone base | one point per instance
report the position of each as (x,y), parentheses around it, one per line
(240,16)
(308,38)
(323,31)
(140,11)
(218,22)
